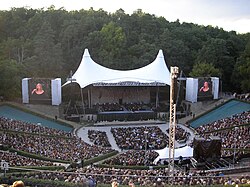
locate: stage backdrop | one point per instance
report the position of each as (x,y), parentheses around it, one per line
(41,91)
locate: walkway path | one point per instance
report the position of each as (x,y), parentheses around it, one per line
(83,133)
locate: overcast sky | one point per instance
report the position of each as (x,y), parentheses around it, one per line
(228,14)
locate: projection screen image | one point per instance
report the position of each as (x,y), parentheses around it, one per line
(204,89)
(40,91)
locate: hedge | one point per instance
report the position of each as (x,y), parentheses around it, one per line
(24,168)
(99,158)
(131,167)
(34,134)
(35,156)
(86,162)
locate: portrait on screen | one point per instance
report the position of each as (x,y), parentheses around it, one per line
(204,89)
(40,91)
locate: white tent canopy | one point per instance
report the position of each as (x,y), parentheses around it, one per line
(89,72)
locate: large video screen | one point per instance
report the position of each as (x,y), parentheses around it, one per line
(204,89)
(40,91)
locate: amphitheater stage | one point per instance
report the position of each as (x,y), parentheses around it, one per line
(124,123)
(126,115)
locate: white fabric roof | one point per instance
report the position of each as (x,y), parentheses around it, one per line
(185,152)
(89,72)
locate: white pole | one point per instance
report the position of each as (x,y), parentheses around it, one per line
(146,136)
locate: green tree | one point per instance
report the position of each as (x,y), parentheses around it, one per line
(241,73)
(113,41)
(13,23)
(215,52)
(50,42)
(15,49)
(81,30)
(10,81)
(176,52)
(72,37)
(140,54)
(244,71)
(204,70)
(47,60)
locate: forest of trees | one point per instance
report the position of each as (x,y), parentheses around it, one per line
(50,43)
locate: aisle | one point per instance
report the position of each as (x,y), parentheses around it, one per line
(83,133)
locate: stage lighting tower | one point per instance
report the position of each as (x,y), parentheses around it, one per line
(172,120)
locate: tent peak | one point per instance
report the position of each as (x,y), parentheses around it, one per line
(160,54)
(86,53)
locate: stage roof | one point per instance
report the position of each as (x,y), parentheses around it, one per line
(89,72)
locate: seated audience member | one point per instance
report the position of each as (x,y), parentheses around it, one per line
(18,184)
(114,183)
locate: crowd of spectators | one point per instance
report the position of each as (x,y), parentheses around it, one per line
(44,141)
(231,131)
(133,158)
(180,134)
(62,148)
(162,107)
(134,106)
(140,177)
(98,138)
(236,138)
(244,97)
(17,125)
(235,120)
(14,159)
(107,107)
(139,138)
(137,106)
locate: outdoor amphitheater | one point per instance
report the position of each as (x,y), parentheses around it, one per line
(113,128)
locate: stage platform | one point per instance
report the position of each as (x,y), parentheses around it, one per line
(124,123)
(142,115)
